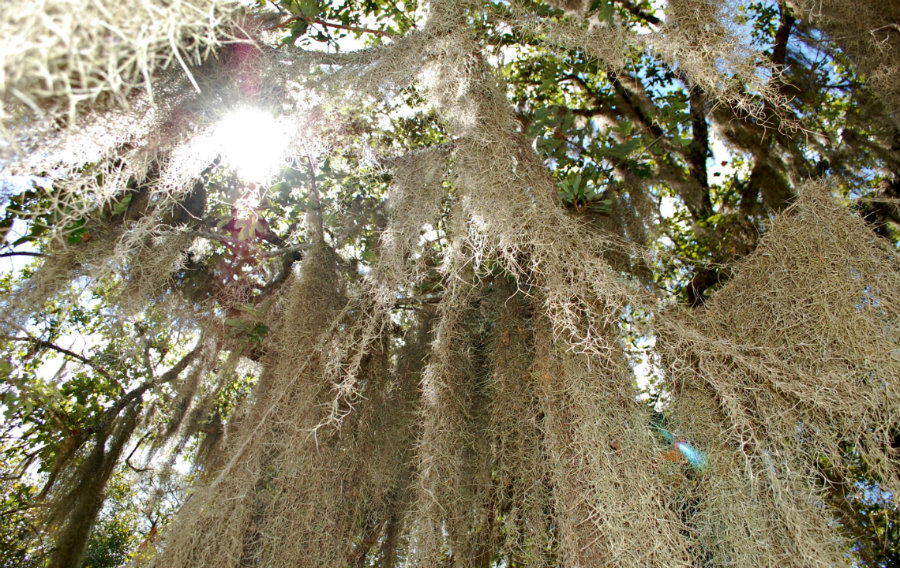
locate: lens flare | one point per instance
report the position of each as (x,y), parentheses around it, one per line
(252,141)
(694,457)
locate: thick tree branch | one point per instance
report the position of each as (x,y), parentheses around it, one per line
(765,179)
(76,438)
(698,200)
(633,106)
(76,511)
(581,83)
(782,35)
(139,391)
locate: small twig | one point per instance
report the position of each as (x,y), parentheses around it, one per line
(31,456)
(138,445)
(890,27)
(278,7)
(401,15)
(21,509)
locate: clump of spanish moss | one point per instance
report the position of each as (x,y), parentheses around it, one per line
(869,32)
(60,57)
(790,364)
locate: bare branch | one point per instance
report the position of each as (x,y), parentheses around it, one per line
(41,344)
(23,253)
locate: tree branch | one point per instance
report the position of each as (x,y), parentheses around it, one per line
(638,13)
(130,455)
(698,201)
(139,391)
(636,109)
(41,344)
(23,253)
(782,35)
(314,215)
(354,29)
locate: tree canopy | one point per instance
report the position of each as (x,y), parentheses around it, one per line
(454,283)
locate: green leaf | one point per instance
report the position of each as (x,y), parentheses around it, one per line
(601,206)
(259,331)
(604,10)
(310,8)
(23,240)
(77,236)
(623,150)
(122,205)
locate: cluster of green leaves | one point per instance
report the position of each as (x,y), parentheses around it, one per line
(131,509)
(18,546)
(34,204)
(60,377)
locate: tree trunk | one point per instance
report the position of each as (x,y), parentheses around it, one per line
(84,499)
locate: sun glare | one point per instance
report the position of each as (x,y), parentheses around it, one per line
(252,141)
